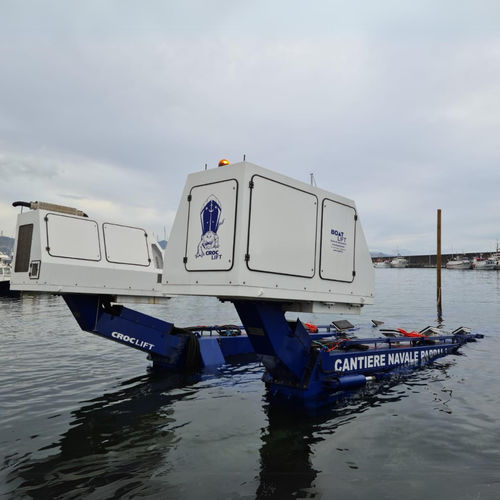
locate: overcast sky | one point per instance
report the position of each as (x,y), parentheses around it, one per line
(108,105)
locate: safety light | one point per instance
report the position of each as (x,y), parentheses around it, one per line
(223,162)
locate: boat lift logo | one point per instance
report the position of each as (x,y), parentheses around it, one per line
(338,240)
(210,222)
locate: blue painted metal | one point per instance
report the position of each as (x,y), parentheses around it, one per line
(284,347)
(298,364)
(296,368)
(211,354)
(234,346)
(166,344)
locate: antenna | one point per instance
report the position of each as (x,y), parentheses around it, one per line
(313,180)
(244,157)
(205,166)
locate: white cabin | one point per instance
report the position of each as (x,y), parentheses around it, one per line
(59,250)
(241,232)
(245,232)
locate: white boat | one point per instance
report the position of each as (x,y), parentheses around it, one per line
(495,257)
(399,262)
(4,274)
(382,264)
(488,264)
(459,263)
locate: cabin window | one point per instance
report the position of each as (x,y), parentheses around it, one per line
(126,245)
(23,250)
(72,237)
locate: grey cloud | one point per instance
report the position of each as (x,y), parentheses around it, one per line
(395,106)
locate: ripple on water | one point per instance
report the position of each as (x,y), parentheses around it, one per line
(82,418)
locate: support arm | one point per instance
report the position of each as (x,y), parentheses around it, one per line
(166,343)
(285,348)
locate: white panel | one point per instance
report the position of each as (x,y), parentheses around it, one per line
(72,237)
(282,233)
(210,232)
(157,256)
(337,241)
(125,244)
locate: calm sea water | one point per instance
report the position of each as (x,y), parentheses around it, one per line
(81,417)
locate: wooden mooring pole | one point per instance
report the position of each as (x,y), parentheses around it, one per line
(438,267)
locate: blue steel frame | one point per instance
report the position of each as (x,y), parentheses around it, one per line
(296,365)
(165,343)
(297,368)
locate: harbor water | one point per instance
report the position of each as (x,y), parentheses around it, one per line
(81,417)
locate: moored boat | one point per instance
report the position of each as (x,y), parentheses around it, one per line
(382,264)
(482,264)
(399,262)
(4,275)
(495,257)
(459,263)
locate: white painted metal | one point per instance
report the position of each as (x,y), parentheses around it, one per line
(210,232)
(67,255)
(270,224)
(338,231)
(241,232)
(279,209)
(126,245)
(72,237)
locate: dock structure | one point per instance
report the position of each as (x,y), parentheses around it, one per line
(429,260)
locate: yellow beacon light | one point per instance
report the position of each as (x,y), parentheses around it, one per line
(223,162)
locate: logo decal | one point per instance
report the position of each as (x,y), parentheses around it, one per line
(338,240)
(210,222)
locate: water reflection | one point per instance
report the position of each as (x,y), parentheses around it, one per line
(113,443)
(285,455)
(119,445)
(289,441)
(287,452)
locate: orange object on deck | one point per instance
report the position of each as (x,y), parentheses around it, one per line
(411,334)
(311,327)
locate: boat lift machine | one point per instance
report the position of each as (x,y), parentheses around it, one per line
(263,241)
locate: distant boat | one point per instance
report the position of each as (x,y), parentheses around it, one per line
(459,263)
(382,264)
(495,257)
(399,262)
(484,264)
(4,275)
